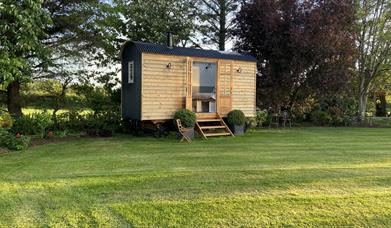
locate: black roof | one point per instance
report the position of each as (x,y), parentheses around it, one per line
(192,52)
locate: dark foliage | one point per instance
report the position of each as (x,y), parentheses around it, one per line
(99,99)
(72,121)
(104,124)
(35,124)
(304,49)
(381,105)
(320,118)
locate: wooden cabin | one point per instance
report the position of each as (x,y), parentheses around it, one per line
(157,80)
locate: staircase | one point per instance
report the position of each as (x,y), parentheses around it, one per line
(212,125)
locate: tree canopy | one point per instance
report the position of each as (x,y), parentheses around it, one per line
(373,23)
(216,22)
(149,21)
(304,49)
(22,26)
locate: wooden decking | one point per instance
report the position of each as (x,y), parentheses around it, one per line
(212,125)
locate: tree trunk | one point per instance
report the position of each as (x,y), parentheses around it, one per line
(13,99)
(223,23)
(363,99)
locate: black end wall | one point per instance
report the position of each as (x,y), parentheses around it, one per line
(131,92)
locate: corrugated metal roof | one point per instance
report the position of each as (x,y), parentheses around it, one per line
(192,52)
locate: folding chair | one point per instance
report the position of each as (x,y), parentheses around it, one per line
(274,120)
(182,130)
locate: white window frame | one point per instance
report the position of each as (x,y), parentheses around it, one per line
(131,72)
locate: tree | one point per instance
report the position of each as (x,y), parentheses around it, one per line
(374,45)
(75,32)
(22,25)
(216,20)
(149,21)
(305,49)
(69,41)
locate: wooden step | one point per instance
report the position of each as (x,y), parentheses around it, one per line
(212,118)
(212,127)
(208,120)
(207,116)
(217,134)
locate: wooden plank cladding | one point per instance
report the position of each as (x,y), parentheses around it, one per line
(157,80)
(163,86)
(224,87)
(244,88)
(166,85)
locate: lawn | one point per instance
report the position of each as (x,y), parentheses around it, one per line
(298,177)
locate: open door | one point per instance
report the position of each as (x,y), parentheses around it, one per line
(224,87)
(189,91)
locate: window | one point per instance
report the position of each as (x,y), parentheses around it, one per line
(131,72)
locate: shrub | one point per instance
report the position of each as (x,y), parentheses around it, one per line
(6,120)
(3,137)
(236,117)
(11,142)
(320,118)
(25,125)
(34,124)
(261,117)
(71,121)
(21,143)
(62,133)
(42,121)
(337,116)
(103,124)
(187,117)
(251,123)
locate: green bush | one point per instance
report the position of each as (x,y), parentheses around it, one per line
(6,120)
(62,133)
(187,117)
(236,117)
(251,122)
(3,137)
(42,121)
(18,143)
(25,125)
(320,118)
(11,142)
(261,117)
(103,124)
(34,124)
(70,121)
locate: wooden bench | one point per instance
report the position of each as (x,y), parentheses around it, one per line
(374,118)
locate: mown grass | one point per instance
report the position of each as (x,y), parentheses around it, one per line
(295,177)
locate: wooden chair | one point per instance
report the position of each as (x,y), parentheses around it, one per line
(182,130)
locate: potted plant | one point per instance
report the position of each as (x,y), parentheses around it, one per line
(236,121)
(188,120)
(50,134)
